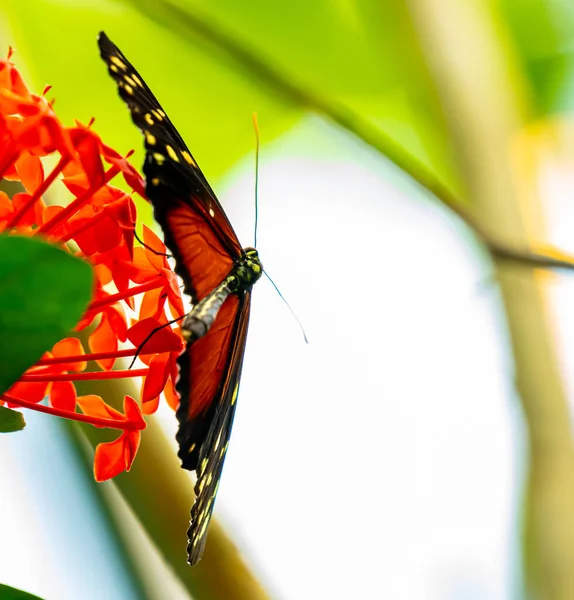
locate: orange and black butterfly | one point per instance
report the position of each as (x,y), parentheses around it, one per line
(218,275)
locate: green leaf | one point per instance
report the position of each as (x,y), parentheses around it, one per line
(43,293)
(11,420)
(543,31)
(10,593)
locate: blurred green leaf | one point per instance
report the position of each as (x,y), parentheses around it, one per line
(543,32)
(210,104)
(43,293)
(363,55)
(10,593)
(11,420)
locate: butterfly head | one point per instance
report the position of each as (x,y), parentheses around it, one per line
(249,269)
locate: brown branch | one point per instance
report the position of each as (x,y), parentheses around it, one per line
(474,67)
(530,259)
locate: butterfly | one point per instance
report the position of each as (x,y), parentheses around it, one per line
(218,275)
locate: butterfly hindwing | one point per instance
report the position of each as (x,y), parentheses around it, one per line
(213,447)
(203,369)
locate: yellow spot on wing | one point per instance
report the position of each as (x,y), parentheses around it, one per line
(209,479)
(137,80)
(234,397)
(192,448)
(172,154)
(149,138)
(187,156)
(114,69)
(129,89)
(148,119)
(118,62)
(155,181)
(157,114)
(223,450)
(201,533)
(129,80)
(159,158)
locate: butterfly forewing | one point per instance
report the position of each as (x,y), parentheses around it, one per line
(169,165)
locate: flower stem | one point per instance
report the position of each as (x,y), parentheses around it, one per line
(93,376)
(124,425)
(74,206)
(59,360)
(134,291)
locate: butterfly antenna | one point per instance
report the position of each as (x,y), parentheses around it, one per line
(256,127)
(288,306)
(150,335)
(150,248)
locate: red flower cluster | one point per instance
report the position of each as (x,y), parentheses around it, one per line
(97,225)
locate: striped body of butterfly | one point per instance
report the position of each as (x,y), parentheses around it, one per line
(218,276)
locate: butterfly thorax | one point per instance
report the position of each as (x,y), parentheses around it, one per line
(245,273)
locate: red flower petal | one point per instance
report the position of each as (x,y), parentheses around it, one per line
(70,347)
(6,207)
(155,249)
(113,458)
(104,340)
(133,412)
(155,382)
(33,392)
(171,396)
(131,444)
(132,177)
(94,406)
(87,144)
(63,395)
(143,270)
(111,328)
(162,340)
(152,304)
(30,171)
(19,201)
(173,293)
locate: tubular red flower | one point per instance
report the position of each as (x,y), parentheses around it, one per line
(98,225)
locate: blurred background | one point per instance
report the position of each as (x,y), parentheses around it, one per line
(419,447)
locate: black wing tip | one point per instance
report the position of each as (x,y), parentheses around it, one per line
(193,558)
(107,47)
(103,39)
